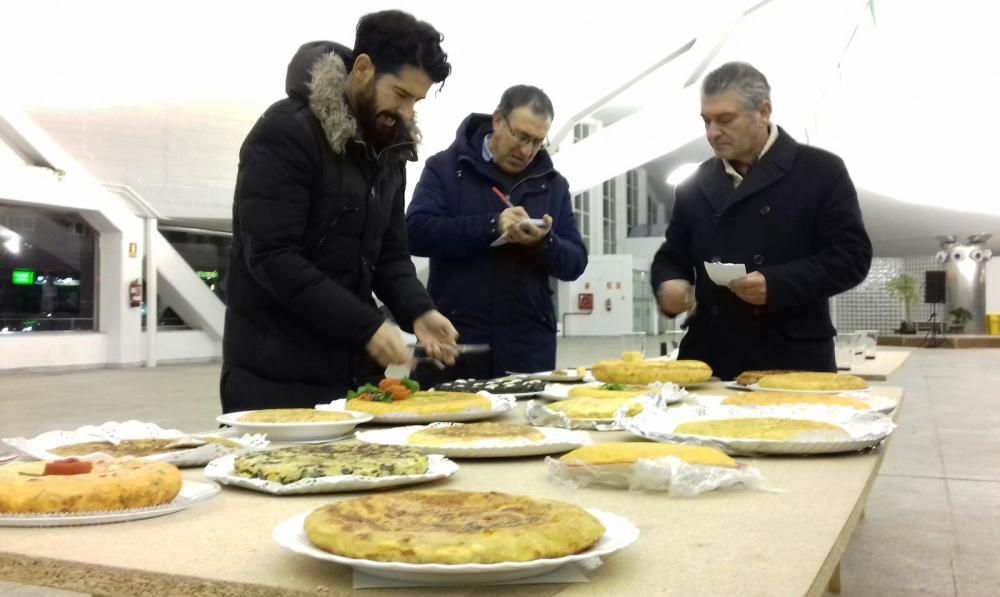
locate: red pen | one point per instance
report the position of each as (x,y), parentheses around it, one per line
(502,197)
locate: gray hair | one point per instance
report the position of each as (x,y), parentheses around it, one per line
(743,78)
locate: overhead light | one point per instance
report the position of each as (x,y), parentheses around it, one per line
(13,245)
(681,173)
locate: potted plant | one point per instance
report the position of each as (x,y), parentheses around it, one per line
(904,288)
(959,317)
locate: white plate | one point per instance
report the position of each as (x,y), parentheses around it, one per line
(756,388)
(500,403)
(316,442)
(221,470)
(295,432)
(556,440)
(38,447)
(619,533)
(864,430)
(570,377)
(560,391)
(735,385)
(670,393)
(191,493)
(875,402)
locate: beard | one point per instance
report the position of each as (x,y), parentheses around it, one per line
(379,127)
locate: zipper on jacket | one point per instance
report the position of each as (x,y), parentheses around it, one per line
(524,180)
(371,190)
(333,222)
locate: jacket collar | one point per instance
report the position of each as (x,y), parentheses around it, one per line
(768,170)
(328,103)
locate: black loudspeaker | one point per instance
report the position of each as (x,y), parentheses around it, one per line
(933,287)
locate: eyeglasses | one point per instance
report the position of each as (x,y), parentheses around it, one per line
(523,140)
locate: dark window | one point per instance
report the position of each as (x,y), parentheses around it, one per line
(48,266)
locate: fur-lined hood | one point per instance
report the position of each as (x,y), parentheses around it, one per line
(318,74)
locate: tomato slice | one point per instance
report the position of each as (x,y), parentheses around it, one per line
(69,466)
(399,392)
(387,383)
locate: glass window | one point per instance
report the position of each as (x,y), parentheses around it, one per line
(207,252)
(610,223)
(48,265)
(643,304)
(652,210)
(631,200)
(581,211)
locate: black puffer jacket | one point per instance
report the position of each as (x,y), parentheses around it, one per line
(317,227)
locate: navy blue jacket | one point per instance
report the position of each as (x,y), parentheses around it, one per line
(796,219)
(498,296)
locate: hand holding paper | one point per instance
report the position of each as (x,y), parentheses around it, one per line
(724,273)
(752,288)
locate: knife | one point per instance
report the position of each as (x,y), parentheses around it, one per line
(418,349)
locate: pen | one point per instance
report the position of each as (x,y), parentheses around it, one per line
(502,197)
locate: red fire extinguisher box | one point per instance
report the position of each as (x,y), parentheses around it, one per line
(135,293)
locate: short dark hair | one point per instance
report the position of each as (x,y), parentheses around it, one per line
(394,39)
(526,95)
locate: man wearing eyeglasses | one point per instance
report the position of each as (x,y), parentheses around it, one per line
(496,220)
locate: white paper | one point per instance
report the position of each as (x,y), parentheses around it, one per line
(724,273)
(564,574)
(671,474)
(536,222)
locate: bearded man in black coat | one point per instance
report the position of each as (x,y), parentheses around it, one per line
(318,223)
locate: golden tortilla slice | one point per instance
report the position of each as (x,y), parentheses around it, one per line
(614,453)
(632,391)
(110,485)
(763,428)
(452,527)
(748,378)
(425,403)
(814,381)
(140,447)
(783,399)
(459,433)
(294,415)
(647,372)
(594,408)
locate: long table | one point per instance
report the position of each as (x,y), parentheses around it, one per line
(885,363)
(736,542)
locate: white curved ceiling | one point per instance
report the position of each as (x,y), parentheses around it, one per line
(159,96)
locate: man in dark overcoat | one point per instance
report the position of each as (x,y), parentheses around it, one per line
(786,211)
